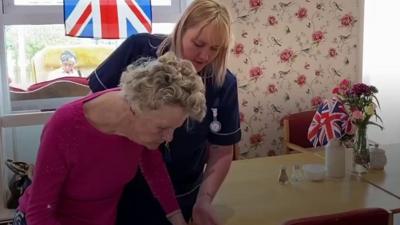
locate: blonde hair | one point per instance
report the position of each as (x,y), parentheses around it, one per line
(205,13)
(164,81)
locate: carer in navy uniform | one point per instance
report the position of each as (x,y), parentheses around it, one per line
(200,154)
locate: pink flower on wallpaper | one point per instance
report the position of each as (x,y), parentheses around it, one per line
(301,80)
(332,52)
(241,116)
(238,49)
(315,101)
(345,84)
(342,88)
(256,139)
(272,88)
(255,72)
(317,36)
(245,103)
(272,20)
(347,20)
(301,13)
(255,4)
(287,55)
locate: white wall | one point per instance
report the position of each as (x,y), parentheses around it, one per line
(381,65)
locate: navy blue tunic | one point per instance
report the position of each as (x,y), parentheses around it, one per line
(187,154)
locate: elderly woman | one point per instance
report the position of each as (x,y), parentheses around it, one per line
(68,66)
(91,148)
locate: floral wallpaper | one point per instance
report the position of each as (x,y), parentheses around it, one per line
(288,56)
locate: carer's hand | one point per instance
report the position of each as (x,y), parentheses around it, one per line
(203,212)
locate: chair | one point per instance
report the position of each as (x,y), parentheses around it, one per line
(366,216)
(16,89)
(47,95)
(236,152)
(77,80)
(56,89)
(295,129)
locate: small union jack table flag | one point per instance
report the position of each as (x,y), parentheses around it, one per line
(330,121)
(107,19)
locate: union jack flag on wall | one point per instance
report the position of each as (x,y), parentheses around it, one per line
(107,19)
(330,121)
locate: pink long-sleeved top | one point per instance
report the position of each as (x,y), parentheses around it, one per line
(80,172)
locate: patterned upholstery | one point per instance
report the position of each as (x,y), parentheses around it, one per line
(78,80)
(57,88)
(16,89)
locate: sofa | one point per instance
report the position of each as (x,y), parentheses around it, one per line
(48,59)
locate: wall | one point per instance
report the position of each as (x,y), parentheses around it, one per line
(287,55)
(381,67)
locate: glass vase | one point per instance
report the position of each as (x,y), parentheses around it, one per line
(361,152)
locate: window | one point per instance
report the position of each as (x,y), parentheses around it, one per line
(59,2)
(34,40)
(30,59)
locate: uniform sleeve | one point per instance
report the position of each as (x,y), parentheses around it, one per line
(228,113)
(156,175)
(108,74)
(50,171)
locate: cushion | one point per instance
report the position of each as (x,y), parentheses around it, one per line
(79,80)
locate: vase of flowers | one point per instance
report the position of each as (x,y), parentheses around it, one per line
(360,103)
(361,152)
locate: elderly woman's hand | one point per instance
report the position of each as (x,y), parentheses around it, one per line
(203,212)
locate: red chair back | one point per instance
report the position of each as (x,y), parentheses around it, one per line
(368,216)
(298,127)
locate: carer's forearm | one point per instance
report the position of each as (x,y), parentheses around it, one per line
(218,164)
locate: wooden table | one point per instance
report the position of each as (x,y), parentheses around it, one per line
(6,215)
(251,194)
(389,178)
